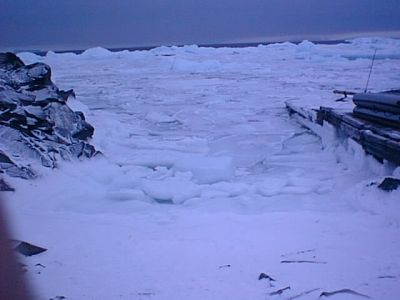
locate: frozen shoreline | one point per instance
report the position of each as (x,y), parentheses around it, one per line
(206,129)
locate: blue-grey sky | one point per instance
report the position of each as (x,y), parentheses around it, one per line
(61,24)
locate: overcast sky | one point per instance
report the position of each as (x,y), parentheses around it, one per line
(61,24)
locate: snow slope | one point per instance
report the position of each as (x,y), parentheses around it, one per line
(206,182)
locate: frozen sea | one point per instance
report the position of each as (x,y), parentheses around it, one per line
(206,182)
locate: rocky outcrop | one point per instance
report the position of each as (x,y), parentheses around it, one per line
(389,184)
(36,125)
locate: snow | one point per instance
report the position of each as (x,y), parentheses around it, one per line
(206,169)
(206,182)
(97,53)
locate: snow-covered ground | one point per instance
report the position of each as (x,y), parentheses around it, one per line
(206,182)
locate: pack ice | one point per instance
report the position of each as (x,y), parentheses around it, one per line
(206,188)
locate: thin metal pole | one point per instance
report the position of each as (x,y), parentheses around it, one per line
(370,71)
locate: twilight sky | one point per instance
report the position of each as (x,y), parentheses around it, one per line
(63,24)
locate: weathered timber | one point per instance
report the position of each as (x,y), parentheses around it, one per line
(306,114)
(380,117)
(383,142)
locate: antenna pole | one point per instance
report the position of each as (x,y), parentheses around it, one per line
(370,71)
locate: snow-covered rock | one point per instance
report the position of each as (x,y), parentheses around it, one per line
(36,125)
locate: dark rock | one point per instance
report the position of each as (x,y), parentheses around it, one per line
(12,169)
(83,131)
(66,94)
(5,187)
(28,249)
(36,125)
(4,158)
(389,184)
(33,77)
(10,61)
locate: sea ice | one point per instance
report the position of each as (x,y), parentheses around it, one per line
(206,169)
(206,130)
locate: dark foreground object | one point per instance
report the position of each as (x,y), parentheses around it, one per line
(5,187)
(389,184)
(36,124)
(28,249)
(12,283)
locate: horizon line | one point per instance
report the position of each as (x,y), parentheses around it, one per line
(251,41)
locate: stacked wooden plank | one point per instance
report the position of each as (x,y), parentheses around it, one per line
(377,139)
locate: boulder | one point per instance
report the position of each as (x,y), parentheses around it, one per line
(389,184)
(36,123)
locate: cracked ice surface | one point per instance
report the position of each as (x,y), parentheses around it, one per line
(203,168)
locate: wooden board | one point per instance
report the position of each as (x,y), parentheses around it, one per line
(375,116)
(383,142)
